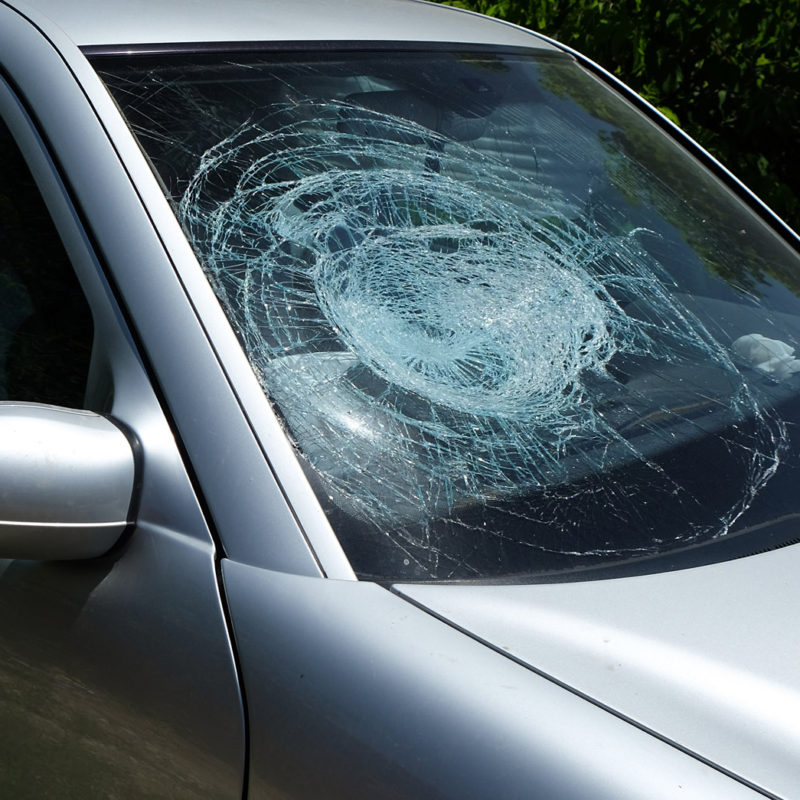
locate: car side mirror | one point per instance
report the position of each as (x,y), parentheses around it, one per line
(67,481)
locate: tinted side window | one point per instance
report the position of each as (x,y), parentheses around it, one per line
(45,321)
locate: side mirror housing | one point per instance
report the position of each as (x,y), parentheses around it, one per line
(67,481)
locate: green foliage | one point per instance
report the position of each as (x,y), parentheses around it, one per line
(727,72)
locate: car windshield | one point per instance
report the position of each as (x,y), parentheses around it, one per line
(514,331)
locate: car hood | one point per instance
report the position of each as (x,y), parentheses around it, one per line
(707,658)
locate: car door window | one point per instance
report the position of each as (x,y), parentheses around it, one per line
(45,321)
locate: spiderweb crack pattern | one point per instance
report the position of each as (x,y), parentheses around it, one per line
(436,334)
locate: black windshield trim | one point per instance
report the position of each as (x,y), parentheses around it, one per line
(314,45)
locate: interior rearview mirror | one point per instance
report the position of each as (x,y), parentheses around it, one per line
(67,481)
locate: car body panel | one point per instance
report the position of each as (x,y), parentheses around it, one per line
(95,22)
(701,656)
(91,706)
(399,705)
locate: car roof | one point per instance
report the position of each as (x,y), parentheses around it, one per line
(137,22)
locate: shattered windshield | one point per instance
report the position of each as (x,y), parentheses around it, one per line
(512,329)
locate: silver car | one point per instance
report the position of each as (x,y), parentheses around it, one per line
(393,406)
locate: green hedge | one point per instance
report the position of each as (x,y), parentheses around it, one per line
(727,72)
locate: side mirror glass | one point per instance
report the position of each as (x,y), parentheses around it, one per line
(67,481)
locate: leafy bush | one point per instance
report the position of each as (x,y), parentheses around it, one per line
(726,72)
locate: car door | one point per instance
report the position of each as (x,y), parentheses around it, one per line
(117,675)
